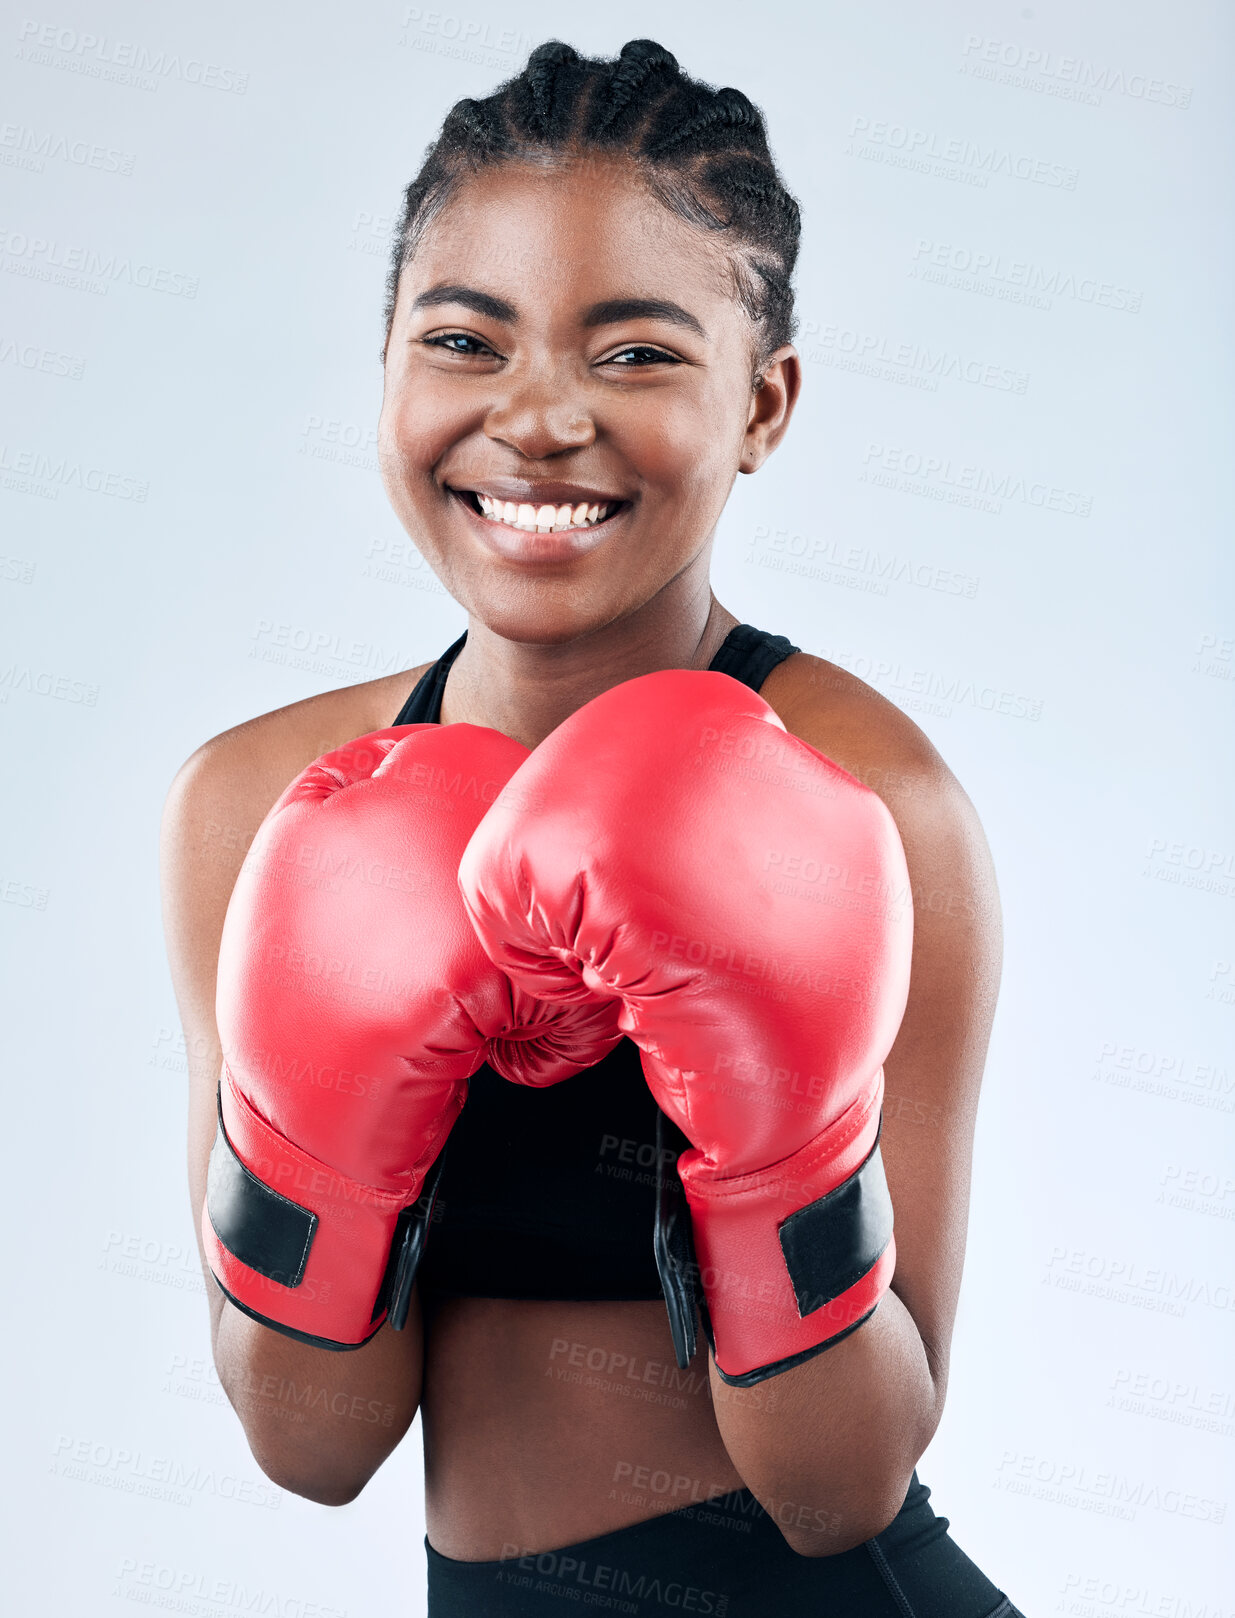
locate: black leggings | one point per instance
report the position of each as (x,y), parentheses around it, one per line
(727,1558)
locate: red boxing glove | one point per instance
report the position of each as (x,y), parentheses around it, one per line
(354,1003)
(748,901)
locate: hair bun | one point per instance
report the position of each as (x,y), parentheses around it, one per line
(647,50)
(553,53)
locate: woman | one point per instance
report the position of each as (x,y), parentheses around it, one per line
(588,337)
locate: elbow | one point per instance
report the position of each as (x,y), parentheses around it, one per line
(322,1491)
(303,1431)
(828,1530)
(308,1460)
(867,1484)
(331,1484)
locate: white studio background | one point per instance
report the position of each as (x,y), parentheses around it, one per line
(999,503)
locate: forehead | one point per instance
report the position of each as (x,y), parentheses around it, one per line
(571,234)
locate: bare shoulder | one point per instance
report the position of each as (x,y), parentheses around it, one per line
(859,729)
(221,795)
(855,725)
(225,788)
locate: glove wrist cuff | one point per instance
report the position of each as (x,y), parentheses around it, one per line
(795,1256)
(291,1241)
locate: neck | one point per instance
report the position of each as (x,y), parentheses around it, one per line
(525,691)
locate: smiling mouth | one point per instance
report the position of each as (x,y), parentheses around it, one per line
(544,519)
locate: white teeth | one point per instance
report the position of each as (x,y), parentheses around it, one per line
(544,519)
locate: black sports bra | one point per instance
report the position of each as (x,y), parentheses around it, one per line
(552,1193)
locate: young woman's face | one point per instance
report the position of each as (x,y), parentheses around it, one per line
(562,340)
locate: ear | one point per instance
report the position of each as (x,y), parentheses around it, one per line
(771,406)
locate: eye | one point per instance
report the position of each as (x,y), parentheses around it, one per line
(646,355)
(448,339)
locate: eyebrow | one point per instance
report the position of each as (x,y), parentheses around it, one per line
(484,303)
(615,309)
(607,313)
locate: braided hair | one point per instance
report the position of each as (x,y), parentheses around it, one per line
(703,153)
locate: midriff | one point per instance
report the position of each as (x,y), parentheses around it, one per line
(550,1423)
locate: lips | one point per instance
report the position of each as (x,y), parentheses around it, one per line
(536,491)
(540,507)
(542,519)
(560,521)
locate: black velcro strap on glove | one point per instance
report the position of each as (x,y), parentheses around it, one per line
(673,1243)
(264,1230)
(407,1249)
(831,1243)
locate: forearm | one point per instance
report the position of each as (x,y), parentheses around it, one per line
(319,1423)
(828,1448)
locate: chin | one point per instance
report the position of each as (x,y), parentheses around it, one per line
(536,612)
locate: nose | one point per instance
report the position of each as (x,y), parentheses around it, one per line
(541,414)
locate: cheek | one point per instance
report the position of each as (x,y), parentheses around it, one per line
(692,450)
(414,429)
(681,434)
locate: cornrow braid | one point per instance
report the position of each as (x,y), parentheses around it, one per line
(703,152)
(631,77)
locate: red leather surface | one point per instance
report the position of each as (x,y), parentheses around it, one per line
(749,902)
(348,1256)
(354,999)
(750,1296)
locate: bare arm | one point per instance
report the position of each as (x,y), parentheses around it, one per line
(830,1457)
(319,1423)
